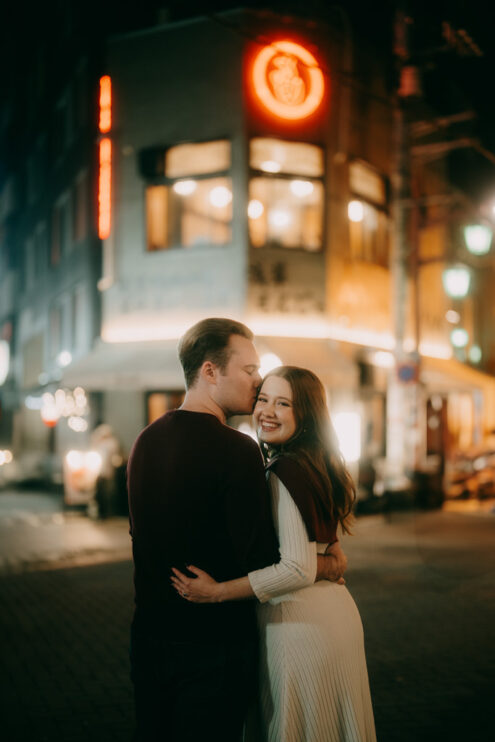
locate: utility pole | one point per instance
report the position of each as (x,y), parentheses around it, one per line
(406,444)
(402,389)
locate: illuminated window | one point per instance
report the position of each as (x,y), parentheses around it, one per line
(367,215)
(286,194)
(368,236)
(295,158)
(158,403)
(189,201)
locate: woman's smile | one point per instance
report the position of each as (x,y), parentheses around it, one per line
(268,425)
(274,413)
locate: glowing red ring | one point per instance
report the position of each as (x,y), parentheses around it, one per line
(265,94)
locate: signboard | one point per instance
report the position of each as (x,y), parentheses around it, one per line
(408,372)
(288,80)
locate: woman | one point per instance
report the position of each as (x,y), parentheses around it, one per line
(314,681)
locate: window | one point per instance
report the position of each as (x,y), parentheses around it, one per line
(286,194)
(62,126)
(31,180)
(78,317)
(80,208)
(61,241)
(41,249)
(29,264)
(80,98)
(55,331)
(191,202)
(368,234)
(158,403)
(36,168)
(368,219)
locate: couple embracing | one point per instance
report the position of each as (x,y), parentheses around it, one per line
(243,626)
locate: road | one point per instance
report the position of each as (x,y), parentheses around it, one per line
(424,584)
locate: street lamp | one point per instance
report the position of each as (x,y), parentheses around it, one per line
(459,337)
(478,238)
(475,354)
(456,281)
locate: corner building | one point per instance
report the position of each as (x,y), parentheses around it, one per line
(241,166)
(251,177)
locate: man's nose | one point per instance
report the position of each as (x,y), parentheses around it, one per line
(258,380)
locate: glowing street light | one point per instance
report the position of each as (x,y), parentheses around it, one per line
(4,360)
(220,197)
(478,238)
(279,218)
(255,209)
(347,427)
(270,166)
(185,187)
(64,358)
(475,354)
(301,188)
(269,361)
(355,211)
(456,281)
(459,337)
(452,316)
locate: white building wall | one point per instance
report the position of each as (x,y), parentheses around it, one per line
(158,294)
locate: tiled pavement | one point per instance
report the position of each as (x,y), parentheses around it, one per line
(424,585)
(63,663)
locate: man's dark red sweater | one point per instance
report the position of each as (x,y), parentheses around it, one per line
(197,495)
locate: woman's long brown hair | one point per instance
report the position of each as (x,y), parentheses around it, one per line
(314,444)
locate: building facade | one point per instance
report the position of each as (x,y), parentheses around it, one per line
(238,165)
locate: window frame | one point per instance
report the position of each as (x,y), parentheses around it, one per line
(254,172)
(167,181)
(380,207)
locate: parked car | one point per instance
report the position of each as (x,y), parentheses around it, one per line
(470,474)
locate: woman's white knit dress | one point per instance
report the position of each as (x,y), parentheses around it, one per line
(313,677)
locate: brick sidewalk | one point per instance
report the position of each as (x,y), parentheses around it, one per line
(64,658)
(424,587)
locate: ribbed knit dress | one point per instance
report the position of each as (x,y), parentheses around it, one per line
(313,677)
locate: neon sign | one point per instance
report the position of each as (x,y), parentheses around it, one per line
(105,123)
(105,189)
(105,160)
(288,80)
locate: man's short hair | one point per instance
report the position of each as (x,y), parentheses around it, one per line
(208,340)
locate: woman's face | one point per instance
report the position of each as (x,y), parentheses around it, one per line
(274,412)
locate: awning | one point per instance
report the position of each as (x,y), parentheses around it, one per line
(323,357)
(131,366)
(154,365)
(450,375)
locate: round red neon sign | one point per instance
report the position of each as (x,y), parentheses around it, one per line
(288,80)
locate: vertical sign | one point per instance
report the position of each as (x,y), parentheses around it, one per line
(105,160)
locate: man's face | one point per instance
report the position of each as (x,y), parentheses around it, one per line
(238,385)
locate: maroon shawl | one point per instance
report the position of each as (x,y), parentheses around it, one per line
(309,494)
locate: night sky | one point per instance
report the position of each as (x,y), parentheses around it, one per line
(452,80)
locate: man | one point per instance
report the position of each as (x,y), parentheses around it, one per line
(197,495)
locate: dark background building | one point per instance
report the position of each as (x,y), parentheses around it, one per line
(302,249)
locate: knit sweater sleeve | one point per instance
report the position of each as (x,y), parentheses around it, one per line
(298,560)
